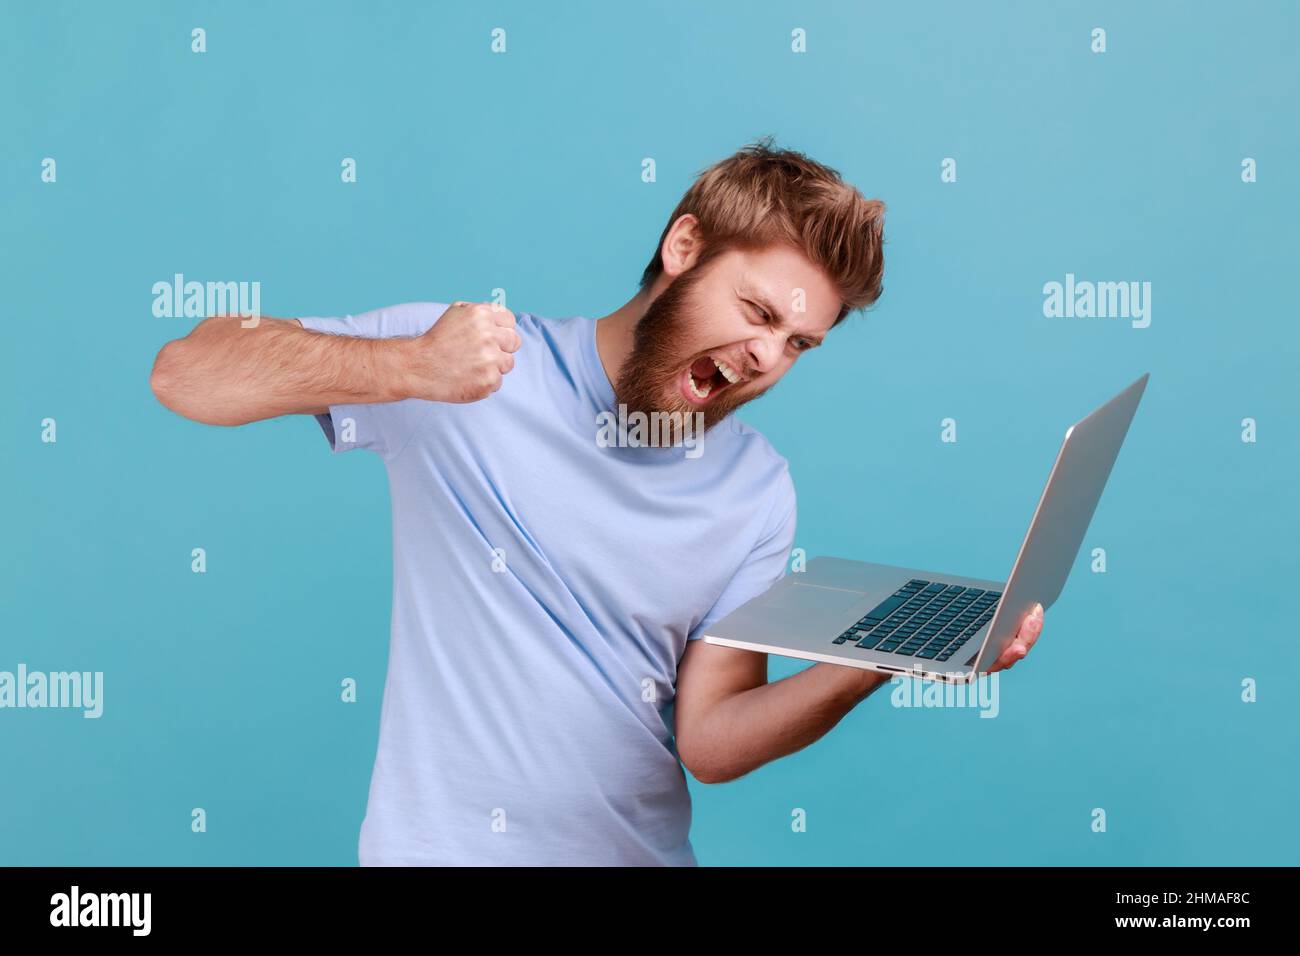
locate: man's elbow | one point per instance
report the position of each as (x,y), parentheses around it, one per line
(164,380)
(704,765)
(710,775)
(172,382)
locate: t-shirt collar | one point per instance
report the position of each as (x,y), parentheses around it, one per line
(597,380)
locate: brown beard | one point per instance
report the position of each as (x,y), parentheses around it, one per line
(648,380)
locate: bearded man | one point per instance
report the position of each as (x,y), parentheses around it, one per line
(545,682)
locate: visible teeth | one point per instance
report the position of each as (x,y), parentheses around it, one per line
(699,393)
(726,371)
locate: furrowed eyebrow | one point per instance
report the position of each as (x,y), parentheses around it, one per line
(772,310)
(761,299)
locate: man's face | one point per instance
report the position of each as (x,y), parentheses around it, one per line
(715,339)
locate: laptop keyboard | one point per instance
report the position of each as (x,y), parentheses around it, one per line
(924,619)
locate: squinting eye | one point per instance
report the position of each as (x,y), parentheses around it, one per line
(803,345)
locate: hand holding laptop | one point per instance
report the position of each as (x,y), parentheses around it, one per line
(935,625)
(1030,630)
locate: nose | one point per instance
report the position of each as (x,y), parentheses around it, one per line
(763,352)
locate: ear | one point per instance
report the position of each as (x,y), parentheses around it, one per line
(682,245)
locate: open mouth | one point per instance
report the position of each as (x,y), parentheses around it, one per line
(705,378)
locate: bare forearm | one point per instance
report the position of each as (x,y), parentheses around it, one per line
(225,374)
(746,730)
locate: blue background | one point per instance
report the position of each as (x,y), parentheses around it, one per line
(522,171)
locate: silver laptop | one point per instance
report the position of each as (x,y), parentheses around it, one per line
(927,624)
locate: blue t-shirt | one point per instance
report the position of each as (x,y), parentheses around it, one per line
(545,585)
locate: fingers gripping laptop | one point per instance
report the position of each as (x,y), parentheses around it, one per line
(932,625)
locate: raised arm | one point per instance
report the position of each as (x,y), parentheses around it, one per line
(225,374)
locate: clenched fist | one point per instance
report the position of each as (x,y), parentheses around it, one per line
(465,354)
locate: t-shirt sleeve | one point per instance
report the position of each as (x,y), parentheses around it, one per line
(382,427)
(766,564)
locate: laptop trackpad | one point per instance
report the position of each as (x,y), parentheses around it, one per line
(810,597)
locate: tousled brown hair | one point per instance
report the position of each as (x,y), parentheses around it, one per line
(761,196)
